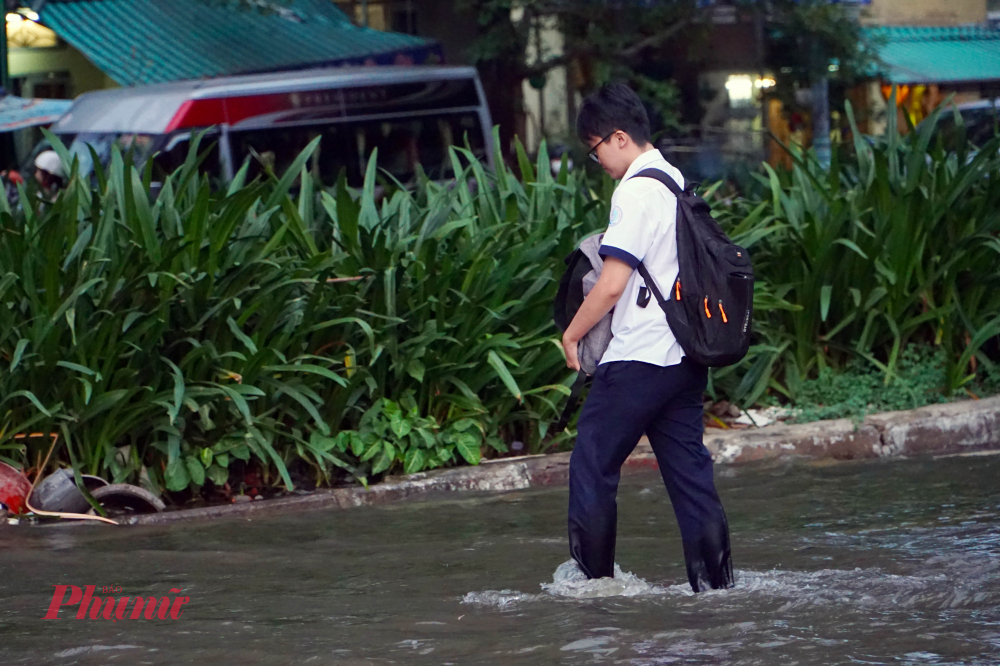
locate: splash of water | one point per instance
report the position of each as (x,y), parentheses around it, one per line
(570,581)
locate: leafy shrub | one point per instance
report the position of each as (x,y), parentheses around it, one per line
(896,243)
(389,434)
(166,341)
(276,325)
(860,388)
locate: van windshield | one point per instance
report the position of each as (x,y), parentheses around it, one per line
(143,146)
(167,151)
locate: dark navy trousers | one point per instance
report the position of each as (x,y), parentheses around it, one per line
(627,399)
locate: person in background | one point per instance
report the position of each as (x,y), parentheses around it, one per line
(11,179)
(555,159)
(49,173)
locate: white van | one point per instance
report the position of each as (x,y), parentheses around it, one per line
(411,114)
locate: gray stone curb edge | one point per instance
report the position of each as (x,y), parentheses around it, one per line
(959,427)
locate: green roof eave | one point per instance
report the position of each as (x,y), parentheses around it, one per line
(939,54)
(153,41)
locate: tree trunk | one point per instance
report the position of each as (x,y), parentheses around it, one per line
(502,85)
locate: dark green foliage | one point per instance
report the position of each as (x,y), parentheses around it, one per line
(803,38)
(280,326)
(895,244)
(165,340)
(859,389)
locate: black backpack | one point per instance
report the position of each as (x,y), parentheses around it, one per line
(710,305)
(570,296)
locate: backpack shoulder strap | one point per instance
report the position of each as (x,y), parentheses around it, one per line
(664,178)
(644,272)
(672,185)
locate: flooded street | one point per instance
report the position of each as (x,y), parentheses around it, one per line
(880,562)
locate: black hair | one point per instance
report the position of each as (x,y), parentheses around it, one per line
(614,107)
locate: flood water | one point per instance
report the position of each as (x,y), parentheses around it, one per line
(884,562)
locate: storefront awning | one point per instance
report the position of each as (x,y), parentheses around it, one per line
(154,41)
(18,112)
(939,54)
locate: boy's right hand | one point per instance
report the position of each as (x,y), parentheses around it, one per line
(571,348)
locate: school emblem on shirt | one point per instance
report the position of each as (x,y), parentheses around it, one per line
(616,216)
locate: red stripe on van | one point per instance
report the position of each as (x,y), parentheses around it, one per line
(206,112)
(198,113)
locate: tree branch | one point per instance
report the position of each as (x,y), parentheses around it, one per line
(656,39)
(626,54)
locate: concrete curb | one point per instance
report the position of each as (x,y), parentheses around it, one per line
(948,428)
(940,429)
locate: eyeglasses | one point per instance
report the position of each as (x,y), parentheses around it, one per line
(593,151)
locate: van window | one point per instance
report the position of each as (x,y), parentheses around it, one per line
(402,144)
(397,99)
(141,146)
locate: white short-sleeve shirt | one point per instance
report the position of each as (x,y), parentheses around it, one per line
(643,228)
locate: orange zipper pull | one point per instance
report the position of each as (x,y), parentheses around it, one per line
(708,313)
(725,320)
(678,290)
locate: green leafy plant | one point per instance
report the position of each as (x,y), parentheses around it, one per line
(895,244)
(859,388)
(167,339)
(389,434)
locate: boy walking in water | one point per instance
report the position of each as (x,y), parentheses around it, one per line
(644,382)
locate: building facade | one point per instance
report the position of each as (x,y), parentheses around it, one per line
(926,12)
